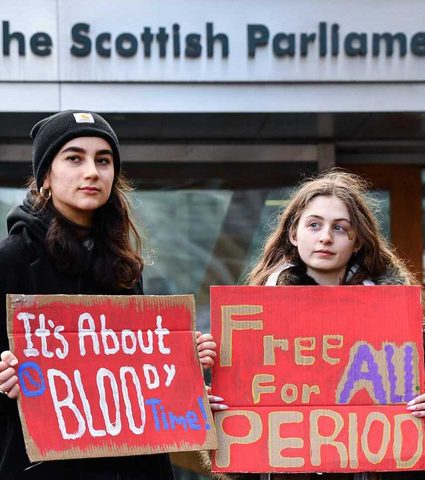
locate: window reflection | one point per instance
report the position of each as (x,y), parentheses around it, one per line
(9,198)
(380,202)
(202,237)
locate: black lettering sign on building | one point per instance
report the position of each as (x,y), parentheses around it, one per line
(40,43)
(326,40)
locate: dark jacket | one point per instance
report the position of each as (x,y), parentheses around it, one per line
(26,268)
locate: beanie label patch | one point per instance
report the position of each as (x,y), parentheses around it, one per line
(83,117)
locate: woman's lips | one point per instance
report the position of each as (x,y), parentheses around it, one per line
(90,190)
(326,253)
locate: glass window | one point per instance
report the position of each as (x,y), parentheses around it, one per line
(198,238)
(380,203)
(194,238)
(9,198)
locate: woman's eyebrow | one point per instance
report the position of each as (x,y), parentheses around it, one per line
(342,219)
(73,149)
(105,151)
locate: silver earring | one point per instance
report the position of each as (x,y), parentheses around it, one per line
(45,193)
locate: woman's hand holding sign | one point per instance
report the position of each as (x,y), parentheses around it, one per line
(8,378)
(206,349)
(207,352)
(215,402)
(417,406)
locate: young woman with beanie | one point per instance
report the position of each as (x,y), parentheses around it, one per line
(73,234)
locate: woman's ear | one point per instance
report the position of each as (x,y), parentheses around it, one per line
(46,183)
(293,237)
(357,246)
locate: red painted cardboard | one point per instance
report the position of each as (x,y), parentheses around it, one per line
(318,378)
(108,375)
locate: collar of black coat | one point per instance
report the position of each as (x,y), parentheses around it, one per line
(295,275)
(37,221)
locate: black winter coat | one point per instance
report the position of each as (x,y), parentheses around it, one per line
(26,268)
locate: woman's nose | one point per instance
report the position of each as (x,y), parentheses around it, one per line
(91,170)
(326,236)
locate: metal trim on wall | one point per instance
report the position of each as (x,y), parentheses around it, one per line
(191,153)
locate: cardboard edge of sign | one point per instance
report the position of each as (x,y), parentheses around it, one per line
(33,452)
(186,300)
(124,451)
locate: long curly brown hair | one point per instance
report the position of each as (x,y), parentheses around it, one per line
(375,256)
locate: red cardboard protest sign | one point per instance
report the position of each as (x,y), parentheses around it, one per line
(108,376)
(318,378)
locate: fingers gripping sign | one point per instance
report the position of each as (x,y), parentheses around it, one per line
(215,402)
(8,378)
(417,406)
(206,349)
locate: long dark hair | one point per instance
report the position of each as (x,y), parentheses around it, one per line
(116,262)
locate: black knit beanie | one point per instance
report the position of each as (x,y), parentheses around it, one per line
(51,133)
